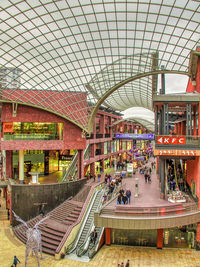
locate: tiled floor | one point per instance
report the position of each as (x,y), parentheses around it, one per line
(108,256)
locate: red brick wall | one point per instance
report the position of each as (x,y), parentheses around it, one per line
(71,134)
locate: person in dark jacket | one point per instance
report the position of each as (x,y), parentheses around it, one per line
(15,261)
(128,194)
(127,264)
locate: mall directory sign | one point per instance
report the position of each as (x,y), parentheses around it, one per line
(134,136)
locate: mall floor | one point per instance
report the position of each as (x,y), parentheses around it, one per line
(108,256)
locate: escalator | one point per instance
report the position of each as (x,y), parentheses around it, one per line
(82,246)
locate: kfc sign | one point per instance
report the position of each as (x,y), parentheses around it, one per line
(167,140)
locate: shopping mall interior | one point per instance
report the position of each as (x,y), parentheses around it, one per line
(100,133)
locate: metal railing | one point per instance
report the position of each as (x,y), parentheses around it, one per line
(72,170)
(84,247)
(153,212)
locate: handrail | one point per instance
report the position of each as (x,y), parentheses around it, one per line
(72,246)
(72,168)
(78,220)
(85,245)
(157,212)
(94,250)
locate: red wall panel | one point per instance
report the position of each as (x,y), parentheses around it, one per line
(71,133)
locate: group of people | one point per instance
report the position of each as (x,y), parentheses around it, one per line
(124,197)
(122,264)
(172,184)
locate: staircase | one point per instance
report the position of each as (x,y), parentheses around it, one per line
(3,210)
(54,228)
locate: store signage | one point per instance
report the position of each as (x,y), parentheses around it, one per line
(172,152)
(8,127)
(65,157)
(134,136)
(129,167)
(167,140)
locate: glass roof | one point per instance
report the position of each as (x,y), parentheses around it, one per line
(105,52)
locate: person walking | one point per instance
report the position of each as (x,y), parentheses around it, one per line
(127,264)
(128,194)
(15,261)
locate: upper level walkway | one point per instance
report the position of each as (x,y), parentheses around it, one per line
(148,210)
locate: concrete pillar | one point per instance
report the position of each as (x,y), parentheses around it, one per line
(21,166)
(102,125)
(162,176)
(9,173)
(80,169)
(160,238)
(92,168)
(92,150)
(108,236)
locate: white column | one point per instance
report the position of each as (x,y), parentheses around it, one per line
(21,166)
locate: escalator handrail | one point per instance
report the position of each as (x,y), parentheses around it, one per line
(72,246)
(80,252)
(94,249)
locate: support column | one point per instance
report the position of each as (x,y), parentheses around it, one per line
(156,120)
(102,125)
(162,177)
(21,166)
(199,120)
(92,168)
(165,119)
(188,119)
(108,236)
(195,121)
(80,169)
(159,238)
(9,173)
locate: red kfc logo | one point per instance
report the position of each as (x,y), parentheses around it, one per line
(174,140)
(181,140)
(166,140)
(159,140)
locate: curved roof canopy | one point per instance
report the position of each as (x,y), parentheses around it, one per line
(110,51)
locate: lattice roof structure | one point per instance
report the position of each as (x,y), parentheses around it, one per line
(112,51)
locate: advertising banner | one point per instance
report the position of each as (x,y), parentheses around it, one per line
(134,136)
(129,167)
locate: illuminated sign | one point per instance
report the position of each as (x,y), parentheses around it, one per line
(134,136)
(8,127)
(172,152)
(167,140)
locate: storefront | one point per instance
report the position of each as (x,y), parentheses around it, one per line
(180,237)
(32,131)
(43,162)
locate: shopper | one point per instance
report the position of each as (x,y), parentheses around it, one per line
(42,210)
(128,194)
(127,264)
(15,261)
(99,177)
